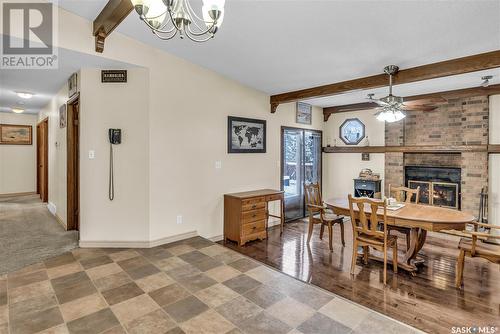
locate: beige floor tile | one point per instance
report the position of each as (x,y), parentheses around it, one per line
(222,273)
(209,322)
(64,270)
(154,282)
(170,263)
(123,255)
(61,329)
(180,249)
(30,291)
(4,314)
(102,271)
(83,306)
(290,311)
(156,322)
(263,274)
(134,308)
(345,312)
(216,295)
(213,250)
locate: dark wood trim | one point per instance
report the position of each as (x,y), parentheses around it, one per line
(73,164)
(413,149)
(456,66)
(42,159)
(108,19)
(425,100)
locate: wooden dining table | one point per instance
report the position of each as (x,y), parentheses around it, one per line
(418,219)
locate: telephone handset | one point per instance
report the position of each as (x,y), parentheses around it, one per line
(115,138)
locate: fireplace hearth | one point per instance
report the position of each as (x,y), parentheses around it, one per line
(439,186)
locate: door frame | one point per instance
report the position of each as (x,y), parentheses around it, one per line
(282,156)
(42,143)
(73,163)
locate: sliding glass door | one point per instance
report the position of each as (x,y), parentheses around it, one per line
(300,163)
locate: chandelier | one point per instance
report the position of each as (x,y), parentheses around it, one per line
(167,18)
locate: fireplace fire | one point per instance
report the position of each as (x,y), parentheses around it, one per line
(439,186)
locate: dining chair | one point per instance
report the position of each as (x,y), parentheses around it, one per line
(472,246)
(319,214)
(366,233)
(404,194)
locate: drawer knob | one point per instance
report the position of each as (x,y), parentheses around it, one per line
(253,228)
(254,215)
(254,206)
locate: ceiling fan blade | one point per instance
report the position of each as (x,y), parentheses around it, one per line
(424,101)
(418,108)
(379,102)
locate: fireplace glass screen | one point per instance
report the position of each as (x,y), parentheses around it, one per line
(445,194)
(424,197)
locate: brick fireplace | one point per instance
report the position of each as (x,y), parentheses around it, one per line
(458,122)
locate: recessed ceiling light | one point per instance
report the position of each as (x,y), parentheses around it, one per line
(17,110)
(25,95)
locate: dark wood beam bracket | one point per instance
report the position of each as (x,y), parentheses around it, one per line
(425,99)
(493,149)
(108,19)
(456,66)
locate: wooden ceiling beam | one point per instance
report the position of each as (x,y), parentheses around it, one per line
(108,19)
(426,99)
(456,66)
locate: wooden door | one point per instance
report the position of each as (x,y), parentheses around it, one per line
(42,171)
(73,165)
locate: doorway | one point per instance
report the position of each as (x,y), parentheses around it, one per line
(42,160)
(73,163)
(300,163)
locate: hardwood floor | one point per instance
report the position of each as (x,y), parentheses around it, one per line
(428,301)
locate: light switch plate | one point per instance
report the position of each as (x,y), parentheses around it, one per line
(91,154)
(179,219)
(218,164)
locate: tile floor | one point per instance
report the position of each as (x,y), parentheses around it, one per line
(191,286)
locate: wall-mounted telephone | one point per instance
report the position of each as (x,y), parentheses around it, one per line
(115,138)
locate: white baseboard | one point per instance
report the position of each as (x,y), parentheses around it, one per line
(52,208)
(137,244)
(216,238)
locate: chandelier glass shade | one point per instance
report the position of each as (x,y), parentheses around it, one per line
(167,18)
(390,114)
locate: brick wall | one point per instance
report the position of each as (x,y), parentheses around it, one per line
(458,122)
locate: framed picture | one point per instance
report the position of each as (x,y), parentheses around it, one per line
(73,84)
(246,135)
(303,113)
(62,116)
(352,131)
(11,134)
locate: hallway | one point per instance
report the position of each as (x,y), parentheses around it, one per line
(29,233)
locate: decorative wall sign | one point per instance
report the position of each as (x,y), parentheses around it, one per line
(73,84)
(62,116)
(365,156)
(303,114)
(352,131)
(11,134)
(246,135)
(114,76)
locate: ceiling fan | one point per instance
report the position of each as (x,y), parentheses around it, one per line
(392,108)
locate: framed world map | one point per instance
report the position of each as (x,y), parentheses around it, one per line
(352,131)
(246,135)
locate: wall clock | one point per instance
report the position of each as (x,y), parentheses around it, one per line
(352,131)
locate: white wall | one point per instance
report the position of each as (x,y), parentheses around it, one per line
(57,154)
(124,106)
(494,162)
(18,162)
(167,159)
(341,168)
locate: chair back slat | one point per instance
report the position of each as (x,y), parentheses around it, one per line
(405,194)
(367,218)
(312,193)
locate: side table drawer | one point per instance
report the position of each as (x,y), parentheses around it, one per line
(254,215)
(251,228)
